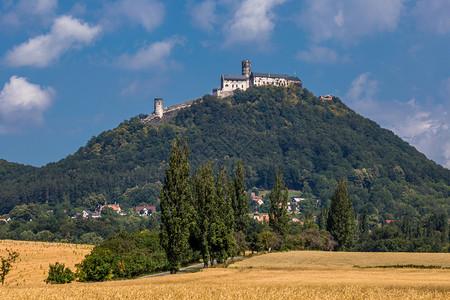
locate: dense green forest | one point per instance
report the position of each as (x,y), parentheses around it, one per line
(312,142)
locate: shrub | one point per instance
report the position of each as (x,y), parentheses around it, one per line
(126,255)
(58,273)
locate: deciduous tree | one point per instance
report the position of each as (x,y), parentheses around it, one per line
(7,264)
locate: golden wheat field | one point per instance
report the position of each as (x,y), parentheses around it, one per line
(33,263)
(288,275)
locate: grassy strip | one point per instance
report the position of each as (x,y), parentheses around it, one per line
(411,266)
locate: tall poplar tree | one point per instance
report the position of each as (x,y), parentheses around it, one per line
(204,193)
(341,217)
(214,215)
(278,212)
(224,244)
(239,199)
(176,206)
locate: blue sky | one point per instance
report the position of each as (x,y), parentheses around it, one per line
(72,69)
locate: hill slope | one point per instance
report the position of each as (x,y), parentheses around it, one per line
(313,142)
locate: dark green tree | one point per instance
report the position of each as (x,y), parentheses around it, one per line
(341,217)
(239,199)
(59,274)
(363,225)
(278,213)
(204,196)
(224,244)
(176,206)
(322,222)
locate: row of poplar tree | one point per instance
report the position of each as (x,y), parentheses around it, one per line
(200,213)
(210,213)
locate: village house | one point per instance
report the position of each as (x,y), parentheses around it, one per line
(115,207)
(145,210)
(260,218)
(257,199)
(326,97)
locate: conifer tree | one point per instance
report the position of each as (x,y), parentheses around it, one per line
(239,199)
(278,212)
(341,217)
(176,206)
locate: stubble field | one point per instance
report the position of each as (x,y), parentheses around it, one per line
(288,275)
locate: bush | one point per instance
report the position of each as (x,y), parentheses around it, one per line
(59,274)
(318,240)
(126,255)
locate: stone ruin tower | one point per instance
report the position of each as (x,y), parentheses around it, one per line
(246,68)
(159,111)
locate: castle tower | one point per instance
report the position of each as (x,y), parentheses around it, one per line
(159,107)
(246,68)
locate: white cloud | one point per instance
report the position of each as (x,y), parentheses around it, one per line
(320,54)
(349,19)
(41,51)
(253,22)
(424,125)
(153,56)
(23,103)
(204,15)
(363,88)
(146,13)
(433,15)
(26,12)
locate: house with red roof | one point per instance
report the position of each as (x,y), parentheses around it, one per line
(145,210)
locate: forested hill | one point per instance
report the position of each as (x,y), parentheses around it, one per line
(313,142)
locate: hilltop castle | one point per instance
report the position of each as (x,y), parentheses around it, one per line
(230,83)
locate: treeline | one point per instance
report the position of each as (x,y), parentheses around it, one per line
(33,222)
(427,234)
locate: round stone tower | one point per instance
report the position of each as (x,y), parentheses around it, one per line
(159,107)
(246,68)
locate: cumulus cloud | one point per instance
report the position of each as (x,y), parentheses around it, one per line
(433,15)
(320,54)
(23,103)
(146,13)
(253,22)
(26,12)
(153,56)
(65,34)
(424,125)
(204,15)
(349,19)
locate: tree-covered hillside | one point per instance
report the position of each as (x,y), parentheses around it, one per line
(312,141)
